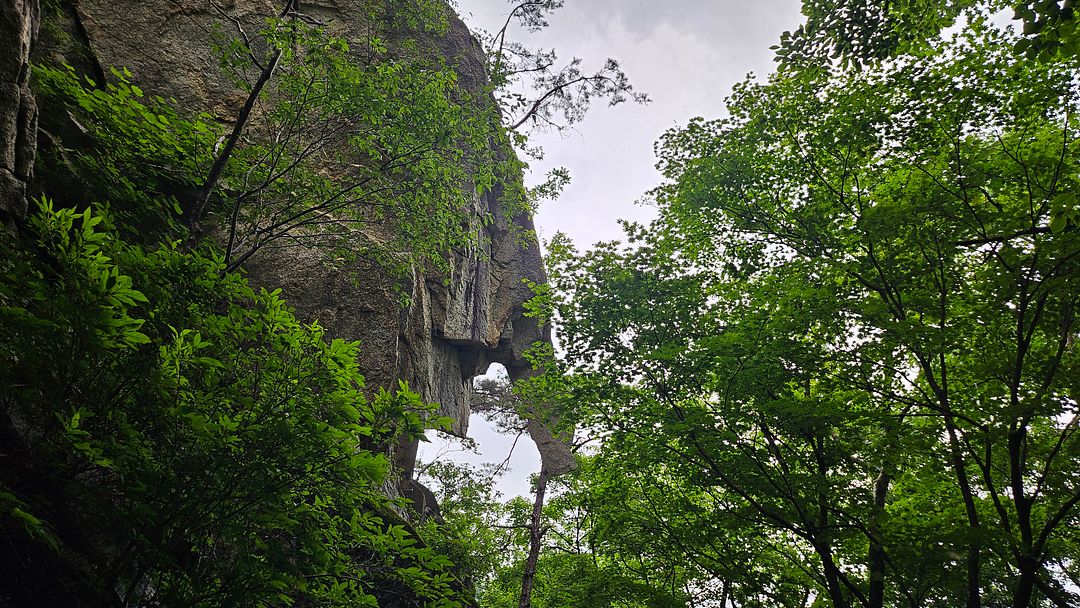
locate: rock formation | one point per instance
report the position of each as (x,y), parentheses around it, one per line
(19,22)
(456,323)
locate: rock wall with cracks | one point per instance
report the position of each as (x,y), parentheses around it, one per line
(455,325)
(19,21)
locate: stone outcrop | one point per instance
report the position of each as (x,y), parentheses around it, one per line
(556,457)
(456,324)
(453,329)
(19,21)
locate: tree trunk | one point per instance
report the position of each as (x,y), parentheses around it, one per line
(194,214)
(832,577)
(1027,564)
(536,534)
(974,565)
(1028,570)
(876,556)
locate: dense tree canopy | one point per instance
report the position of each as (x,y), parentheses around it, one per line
(840,367)
(859,32)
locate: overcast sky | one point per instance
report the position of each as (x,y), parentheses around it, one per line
(686,55)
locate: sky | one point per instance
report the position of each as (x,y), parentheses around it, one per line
(686,55)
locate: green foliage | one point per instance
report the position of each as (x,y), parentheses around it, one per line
(840,368)
(382,139)
(1050,29)
(214,450)
(854,33)
(358,152)
(471,514)
(140,155)
(539,306)
(534,92)
(374,150)
(578,567)
(576,581)
(85,289)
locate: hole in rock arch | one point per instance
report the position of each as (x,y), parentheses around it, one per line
(489,445)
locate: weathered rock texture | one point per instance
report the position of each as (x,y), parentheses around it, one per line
(456,324)
(19,20)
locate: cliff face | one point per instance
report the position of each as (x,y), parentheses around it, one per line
(166,530)
(19,22)
(455,324)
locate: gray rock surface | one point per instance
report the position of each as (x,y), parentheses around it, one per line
(19,21)
(456,324)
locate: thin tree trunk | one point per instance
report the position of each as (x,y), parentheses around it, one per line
(1026,562)
(832,576)
(194,213)
(536,534)
(974,559)
(876,556)
(974,565)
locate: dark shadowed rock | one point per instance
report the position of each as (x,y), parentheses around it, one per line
(19,21)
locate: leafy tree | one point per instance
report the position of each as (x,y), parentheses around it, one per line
(335,144)
(534,90)
(1050,29)
(472,526)
(176,438)
(137,154)
(570,570)
(504,404)
(847,344)
(372,148)
(860,31)
(856,32)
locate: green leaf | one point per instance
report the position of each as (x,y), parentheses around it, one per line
(1058,222)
